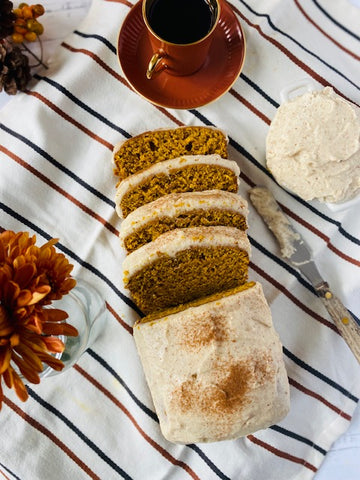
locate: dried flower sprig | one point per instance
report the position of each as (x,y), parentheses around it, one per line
(31,278)
(18,26)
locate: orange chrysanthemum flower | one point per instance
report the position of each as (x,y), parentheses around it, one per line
(31,278)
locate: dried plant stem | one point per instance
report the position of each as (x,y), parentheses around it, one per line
(40,60)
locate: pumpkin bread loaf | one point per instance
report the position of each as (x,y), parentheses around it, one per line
(142,151)
(211,356)
(184,174)
(184,264)
(214,367)
(182,210)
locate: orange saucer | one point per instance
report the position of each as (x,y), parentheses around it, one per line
(219,72)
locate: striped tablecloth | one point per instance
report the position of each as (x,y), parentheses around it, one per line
(97,420)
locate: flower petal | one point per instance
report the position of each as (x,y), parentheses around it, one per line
(25,369)
(24,274)
(8,377)
(54,344)
(59,329)
(40,294)
(24,298)
(20,388)
(54,315)
(29,356)
(53,362)
(5,357)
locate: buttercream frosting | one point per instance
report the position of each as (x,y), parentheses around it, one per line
(313,146)
(215,371)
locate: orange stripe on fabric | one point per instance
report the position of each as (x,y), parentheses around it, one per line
(119,319)
(5,476)
(251,107)
(69,119)
(338,44)
(152,442)
(323,400)
(51,184)
(291,297)
(35,424)
(281,453)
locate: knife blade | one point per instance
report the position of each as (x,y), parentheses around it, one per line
(298,253)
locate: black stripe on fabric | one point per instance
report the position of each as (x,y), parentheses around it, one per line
(107,367)
(253,160)
(82,104)
(300,438)
(10,472)
(338,24)
(79,433)
(259,90)
(267,16)
(152,414)
(57,164)
(209,463)
(103,40)
(319,375)
(71,254)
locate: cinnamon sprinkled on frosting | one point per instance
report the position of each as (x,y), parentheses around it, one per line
(204,331)
(227,393)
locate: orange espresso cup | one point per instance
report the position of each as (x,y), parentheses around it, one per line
(180,33)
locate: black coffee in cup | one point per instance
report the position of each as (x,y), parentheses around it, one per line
(181,21)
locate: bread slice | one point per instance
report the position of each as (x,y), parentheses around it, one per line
(142,151)
(183,174)
(185,264)
(214,367)
(182,210)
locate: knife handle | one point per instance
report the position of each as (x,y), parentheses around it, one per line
(348,327)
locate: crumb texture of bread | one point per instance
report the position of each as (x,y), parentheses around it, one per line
(190,178)
(185,264)
(142,151)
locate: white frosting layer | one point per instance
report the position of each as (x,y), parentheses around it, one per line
(176,204)
(313,146)
(165,168)
(215,371)
(174,241)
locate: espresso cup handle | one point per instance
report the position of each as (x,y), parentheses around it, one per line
(153,64)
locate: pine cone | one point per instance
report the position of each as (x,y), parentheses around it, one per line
(7,18)
(14,68)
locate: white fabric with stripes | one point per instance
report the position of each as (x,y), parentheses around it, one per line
(97,420)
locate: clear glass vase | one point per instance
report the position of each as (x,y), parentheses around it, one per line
(87,313)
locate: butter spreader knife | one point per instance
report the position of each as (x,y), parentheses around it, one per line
(296,251)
